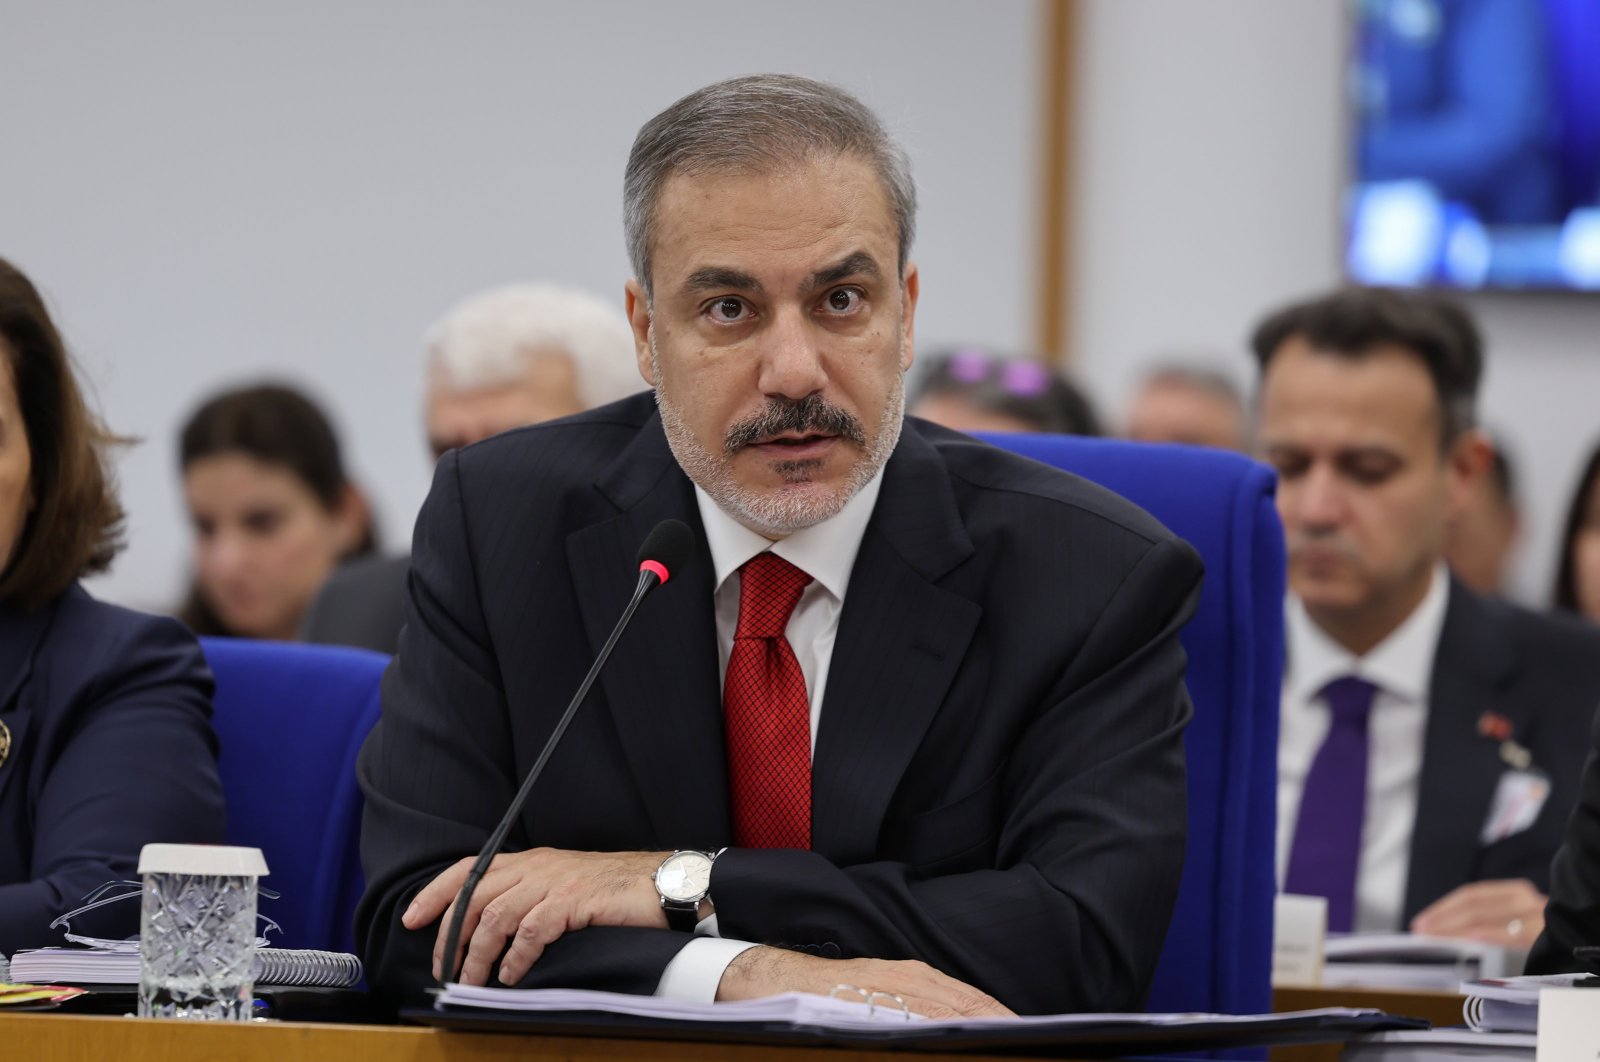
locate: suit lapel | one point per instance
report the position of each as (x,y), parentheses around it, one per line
(901,638)
(1460,767)
(661,684)
(20,636)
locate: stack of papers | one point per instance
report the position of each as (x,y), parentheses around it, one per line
(824,1012)
(1403,960)
(1511,1004)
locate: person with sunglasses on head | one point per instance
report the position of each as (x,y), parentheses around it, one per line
(974,390)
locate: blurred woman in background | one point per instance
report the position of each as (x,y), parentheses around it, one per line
(272,510)
(1578,566)
(105,732)
(973,390)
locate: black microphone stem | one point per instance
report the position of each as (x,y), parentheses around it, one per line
(447,971)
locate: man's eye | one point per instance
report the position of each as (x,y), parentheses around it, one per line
(843,300)
(729,309)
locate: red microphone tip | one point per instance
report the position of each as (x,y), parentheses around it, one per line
(654,566)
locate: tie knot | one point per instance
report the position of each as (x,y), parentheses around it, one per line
(1350,700)
(769,589)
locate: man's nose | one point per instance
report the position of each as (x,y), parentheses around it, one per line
(1319,499)
(791,359)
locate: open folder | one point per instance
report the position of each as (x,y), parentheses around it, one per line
(803,1018)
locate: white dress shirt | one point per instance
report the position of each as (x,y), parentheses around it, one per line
(826,552)
(1401,666)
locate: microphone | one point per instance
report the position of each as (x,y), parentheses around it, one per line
(664,551)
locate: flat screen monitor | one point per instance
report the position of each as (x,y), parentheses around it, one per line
(1476,144)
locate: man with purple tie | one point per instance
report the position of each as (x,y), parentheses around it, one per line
(1431,739)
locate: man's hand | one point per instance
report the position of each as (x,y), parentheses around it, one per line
(532,898)
(769,971)
(1508,913)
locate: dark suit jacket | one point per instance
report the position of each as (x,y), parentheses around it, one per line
(1542,674)
(362,604)
(111,747)
(1572,918)
(998,783)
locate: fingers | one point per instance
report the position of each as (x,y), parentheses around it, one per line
(538,929)
(1491,910)
(436,895)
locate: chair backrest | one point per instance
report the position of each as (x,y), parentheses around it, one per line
(290,719)
(1218,955)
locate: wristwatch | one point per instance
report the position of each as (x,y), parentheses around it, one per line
(684,879)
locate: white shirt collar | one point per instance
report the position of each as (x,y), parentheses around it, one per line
(825,551)
(1401,664)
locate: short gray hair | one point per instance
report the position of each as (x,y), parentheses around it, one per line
(486,339)
(757,124)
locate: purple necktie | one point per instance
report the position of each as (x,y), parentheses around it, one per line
(1326,850)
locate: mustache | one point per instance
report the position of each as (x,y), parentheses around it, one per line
(1328,540)
(811,415)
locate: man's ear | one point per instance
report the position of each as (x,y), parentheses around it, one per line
(910,288)
(1466,464)
(637,304)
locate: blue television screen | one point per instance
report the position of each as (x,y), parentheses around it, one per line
(1476,154)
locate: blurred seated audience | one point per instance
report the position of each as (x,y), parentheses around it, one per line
(1431,740)
(507,357)
(1188,404)
(1480,542)
(272,509)
(1578,566)
(974,390)
(105,733)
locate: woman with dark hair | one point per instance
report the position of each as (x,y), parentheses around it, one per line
(1578,571)
(974,390)
(272,510)
(105,733)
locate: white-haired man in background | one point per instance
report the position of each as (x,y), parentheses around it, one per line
(501,359)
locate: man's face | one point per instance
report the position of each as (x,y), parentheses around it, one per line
(779,336)
(1177,413)
(457,417)
(1364,490)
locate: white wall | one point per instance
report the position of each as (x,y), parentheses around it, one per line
(209,193)
(1210,158)
(214,192)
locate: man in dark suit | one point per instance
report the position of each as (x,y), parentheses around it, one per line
(914,702)
(513,355)
(1431,739)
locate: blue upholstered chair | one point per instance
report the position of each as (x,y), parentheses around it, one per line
(290,719)
(1218,951)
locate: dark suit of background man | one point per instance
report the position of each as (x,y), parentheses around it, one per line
(972,785)
(1431,739)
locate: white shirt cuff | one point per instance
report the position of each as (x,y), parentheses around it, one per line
(695,972)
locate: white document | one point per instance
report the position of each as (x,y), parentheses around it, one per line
(802,1008)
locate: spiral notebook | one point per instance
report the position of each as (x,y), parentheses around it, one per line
(120,966)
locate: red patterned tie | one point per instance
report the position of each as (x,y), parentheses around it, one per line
(766,713)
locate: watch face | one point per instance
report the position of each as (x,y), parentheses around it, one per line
(684,876)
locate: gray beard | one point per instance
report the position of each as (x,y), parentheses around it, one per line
(775,515)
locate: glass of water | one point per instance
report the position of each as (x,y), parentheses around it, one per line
(197,931)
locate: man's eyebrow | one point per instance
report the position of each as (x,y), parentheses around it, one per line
(860,264)
(711,278)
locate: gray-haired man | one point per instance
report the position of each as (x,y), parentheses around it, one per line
(915,703)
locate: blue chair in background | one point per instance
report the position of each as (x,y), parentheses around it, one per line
(1218,955)
(290,719)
